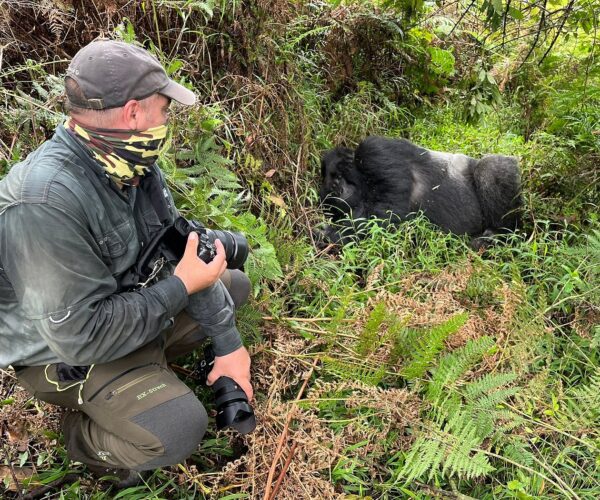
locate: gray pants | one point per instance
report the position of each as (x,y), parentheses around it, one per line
(133,413)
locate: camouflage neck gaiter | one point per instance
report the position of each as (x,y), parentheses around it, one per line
(124,154)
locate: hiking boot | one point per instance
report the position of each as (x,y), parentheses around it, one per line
(120,478)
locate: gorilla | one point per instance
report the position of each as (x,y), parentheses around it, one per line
(394,179)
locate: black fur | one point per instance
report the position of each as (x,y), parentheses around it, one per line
(394,177)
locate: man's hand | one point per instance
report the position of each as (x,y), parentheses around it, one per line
(194,272)
(235,365)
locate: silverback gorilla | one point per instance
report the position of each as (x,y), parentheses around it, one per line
(393,179)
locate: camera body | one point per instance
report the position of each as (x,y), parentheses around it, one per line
(235,244)
(169,244)
(233,408)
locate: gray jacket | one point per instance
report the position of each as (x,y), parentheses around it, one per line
(67,237)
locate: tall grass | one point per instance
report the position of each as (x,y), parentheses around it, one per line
(432,370)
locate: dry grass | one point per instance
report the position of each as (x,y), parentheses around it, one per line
(381,418)
(279,371)
(26,426)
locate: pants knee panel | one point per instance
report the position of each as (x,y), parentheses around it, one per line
(179,424)
(239,287)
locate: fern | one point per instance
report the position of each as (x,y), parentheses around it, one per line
(582,404)
(429,344)
(463,437)
(488,383)
(454,365)
(367,340)
(346,370)
(453,448)
(466,415)
(518,451)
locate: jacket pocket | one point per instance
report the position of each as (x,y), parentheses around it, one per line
(114,243)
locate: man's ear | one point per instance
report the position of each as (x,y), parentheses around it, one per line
(132,114)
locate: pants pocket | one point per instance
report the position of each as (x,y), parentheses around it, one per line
(135,390)
(44,383)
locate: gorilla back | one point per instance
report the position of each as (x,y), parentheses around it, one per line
(394,178)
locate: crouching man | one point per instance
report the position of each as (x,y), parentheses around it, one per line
(74,216)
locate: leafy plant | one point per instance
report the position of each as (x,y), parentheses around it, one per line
(424,345)
(465,415)
(206,189)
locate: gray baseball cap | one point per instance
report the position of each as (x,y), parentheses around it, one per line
(110,73)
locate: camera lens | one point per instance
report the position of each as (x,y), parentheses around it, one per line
(236,246)
(233,408)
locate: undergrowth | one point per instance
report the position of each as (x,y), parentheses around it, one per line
(431,370)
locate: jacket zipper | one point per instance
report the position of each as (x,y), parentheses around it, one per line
(118,377)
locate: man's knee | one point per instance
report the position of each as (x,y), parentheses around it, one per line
(238,285)
(179,425)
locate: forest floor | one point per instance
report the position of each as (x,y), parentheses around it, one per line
(405,365)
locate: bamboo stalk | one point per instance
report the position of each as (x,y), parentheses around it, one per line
(283,471)
(267,495)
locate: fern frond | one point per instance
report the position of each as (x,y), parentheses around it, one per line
(367,340)
(466,414)
(346,370)
(463,438)
(455,449)
(429,345)
(582,405)
(452,366)
(424,456)
(488,383)
(489,402)
(506,421)
(518,451)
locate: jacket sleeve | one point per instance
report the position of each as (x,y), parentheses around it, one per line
(212,308)
(68,292)
(214,311)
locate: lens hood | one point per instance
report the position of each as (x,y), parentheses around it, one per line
(233,408)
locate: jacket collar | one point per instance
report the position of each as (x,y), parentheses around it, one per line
(78,149)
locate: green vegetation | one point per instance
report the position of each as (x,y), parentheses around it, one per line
(431,371)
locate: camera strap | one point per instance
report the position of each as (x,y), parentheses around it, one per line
(158,195)
(153,256)
(158,265)
(149,263)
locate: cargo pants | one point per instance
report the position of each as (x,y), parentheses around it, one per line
(133,412)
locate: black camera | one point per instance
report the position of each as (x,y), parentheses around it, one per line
(233,408)
(235,244)
(169,244)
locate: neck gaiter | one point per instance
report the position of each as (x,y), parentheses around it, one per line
(124,154)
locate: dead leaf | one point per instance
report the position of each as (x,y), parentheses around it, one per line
(17,434)
(278,200)
(21,473)
(250,139)
(270,173)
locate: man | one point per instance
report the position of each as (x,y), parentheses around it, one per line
(74,216)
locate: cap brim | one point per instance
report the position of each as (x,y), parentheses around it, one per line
(179,93)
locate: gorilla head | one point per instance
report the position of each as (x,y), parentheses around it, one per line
(394,177)
(341,184)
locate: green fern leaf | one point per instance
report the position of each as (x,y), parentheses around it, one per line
(429,345)
(488,383)
(368,338)
(452,366)
(353,371)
